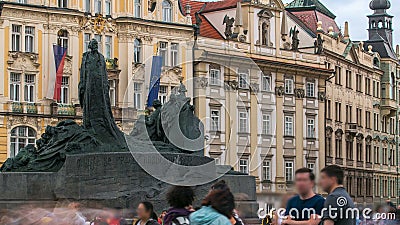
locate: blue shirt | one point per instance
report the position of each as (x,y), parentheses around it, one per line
(301,210)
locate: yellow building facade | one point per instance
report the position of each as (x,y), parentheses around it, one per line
(129,34)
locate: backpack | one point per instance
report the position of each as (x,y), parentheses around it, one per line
(181,220)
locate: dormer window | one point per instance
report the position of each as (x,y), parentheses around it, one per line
(166,11)
(63,3)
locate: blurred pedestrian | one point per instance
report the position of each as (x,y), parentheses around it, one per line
(116,217)
(217,207)
(161,217)
(180,199)
(146,214)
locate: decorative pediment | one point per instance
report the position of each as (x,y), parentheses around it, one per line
(23,61)
(138,70)
(265,13)
(172,75)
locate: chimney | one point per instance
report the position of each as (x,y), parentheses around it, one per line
(398,50)
(346,31)
(284,26)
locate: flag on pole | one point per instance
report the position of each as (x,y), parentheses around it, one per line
(154,80)
(59,57)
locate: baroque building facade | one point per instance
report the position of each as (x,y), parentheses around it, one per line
(361,99)
(263,100)
(129,34)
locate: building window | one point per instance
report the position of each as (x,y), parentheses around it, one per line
(243,81)
(174,54)
(359,117)
(62,39)
(113,92)
(349,149)
(20,137)
(310,128)
(328,109)
(87,5)
(376,122)
(215,120)
(244,166)
(215,77)
(348,79)
(359,83)
(289,86)
(16,38)
(164,53)
(108,7)
(63,3)
(266,170)
(64,90)
(86,41)
(289,125)
(108,46)
(137,51)
(266,83)
(359,150)
(338,111)
(338,75)
(367,86)
(368,153)
(163,93)
(310,90)
(22,1)
(328,144)
(289,170)
(97,6)
(243,123)
(311,166)
(377,158)
(266,124)
(368,119)
(167,11)
(99,39)
(349,110)
(137,98)
(29,88)
(15,86)
(29,39)
(138,8)
(338,144)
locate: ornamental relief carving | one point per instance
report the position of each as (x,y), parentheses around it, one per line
(299,92)
(200,82)
(13,121)
(23,61)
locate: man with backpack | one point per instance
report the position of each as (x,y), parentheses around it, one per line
(180,199)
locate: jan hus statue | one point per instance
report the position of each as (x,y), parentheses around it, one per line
(94,97)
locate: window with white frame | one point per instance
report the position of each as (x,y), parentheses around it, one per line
(266,83)
(215,77)
(99,39)
(167,11)
(16,38)
(22,1)
(98,6)
(87,5)
(310,128)
(15,86)
(174,54)
(86,41)
(29,39)
(163,94)
(63,3)
(244,166)
(62,39)
(266,170)
(243,80)
(289,88)
(108,7)
(215,120)
(29,87)
(243,122)
(108,46)
(310,89)
(266,123)
(20,137)
(137,51)
(64,99)
(137,95)
(289,125)
(289,170)
(113,92)
(164,52)
(138,8)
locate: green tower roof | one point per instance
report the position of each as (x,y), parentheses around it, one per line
(311,4)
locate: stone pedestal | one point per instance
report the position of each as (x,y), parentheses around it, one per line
(99,180)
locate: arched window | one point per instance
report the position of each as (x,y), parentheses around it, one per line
(167,11)
(20,137)
(62,39)
(137,56)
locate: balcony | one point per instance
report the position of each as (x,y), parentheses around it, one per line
(62,110)
(23,107)
(388,107)
(351,128)
(349,162)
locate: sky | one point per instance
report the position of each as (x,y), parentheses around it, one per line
(355,12)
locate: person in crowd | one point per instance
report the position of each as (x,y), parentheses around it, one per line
(146,214)
(305,207)
(235,220)
(338,204)
(161,217)
(116,217)
(217,207)
(180,199)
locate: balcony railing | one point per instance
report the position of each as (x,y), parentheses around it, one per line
(63,109)
(23,107)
